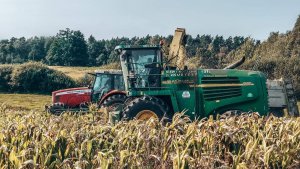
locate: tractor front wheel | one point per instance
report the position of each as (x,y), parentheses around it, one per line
(56,109)
(114,102)
(146,107)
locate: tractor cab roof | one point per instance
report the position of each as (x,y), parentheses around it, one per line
(112,72)
(124,47)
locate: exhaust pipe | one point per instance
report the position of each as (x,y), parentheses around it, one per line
(236,64)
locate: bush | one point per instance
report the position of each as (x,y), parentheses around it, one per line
(5,77)
(86,80)
(37,77)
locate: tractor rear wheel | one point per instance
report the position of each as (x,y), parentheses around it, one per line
(114,102)
(146,107)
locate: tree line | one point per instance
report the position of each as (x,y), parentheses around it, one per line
(277,57)
(70,48)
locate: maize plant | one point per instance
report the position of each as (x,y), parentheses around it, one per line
(31,139)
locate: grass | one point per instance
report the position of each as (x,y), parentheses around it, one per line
(74,72)
(25,101)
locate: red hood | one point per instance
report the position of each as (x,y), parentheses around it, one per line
(73,90)
(72,97)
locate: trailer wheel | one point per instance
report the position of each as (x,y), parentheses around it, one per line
(146,107)
(276,112)
(114,102)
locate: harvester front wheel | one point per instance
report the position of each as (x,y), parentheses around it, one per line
(114,102)
(146,107)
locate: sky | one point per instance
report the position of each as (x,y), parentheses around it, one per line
(128,18)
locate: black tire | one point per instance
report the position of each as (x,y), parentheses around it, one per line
(56,109)
(114,102)
(277,112)
(146,103)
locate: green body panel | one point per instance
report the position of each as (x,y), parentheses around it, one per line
(186,91)
(252,98)
(198,93)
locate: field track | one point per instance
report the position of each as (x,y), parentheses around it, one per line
(79,72)
(25,101)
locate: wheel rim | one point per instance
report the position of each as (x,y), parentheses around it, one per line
(146,115)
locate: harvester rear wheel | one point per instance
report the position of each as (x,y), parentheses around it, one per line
(146,114)
(146,107)
(114,102)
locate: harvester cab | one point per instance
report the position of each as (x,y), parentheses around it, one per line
(141,66)
(107,90)
(158,90)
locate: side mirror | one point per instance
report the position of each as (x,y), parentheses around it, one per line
(118,51)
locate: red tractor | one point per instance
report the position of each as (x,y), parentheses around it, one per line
(107,90)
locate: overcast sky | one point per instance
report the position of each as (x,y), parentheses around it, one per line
(117,18)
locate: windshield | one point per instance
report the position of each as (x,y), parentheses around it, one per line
(119,82)
(142,57)
(102,83)
(144,64)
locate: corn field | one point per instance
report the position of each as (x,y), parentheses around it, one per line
(39,140)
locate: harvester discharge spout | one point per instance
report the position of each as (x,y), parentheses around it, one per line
(177,53)
(236,64)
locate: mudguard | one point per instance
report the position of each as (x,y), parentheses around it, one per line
(113,92)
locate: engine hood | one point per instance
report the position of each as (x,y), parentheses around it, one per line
(78,90)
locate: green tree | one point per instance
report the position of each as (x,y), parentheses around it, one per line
(21,50)
(68,48)
(55,53)
(3,51)
(37,48)
(294,43)
(97,52)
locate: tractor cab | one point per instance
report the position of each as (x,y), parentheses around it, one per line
(105,82)
(141,66)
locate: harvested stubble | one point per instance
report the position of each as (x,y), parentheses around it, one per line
(36,139)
